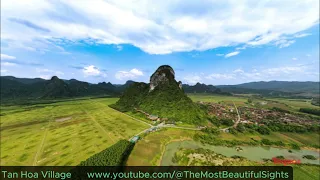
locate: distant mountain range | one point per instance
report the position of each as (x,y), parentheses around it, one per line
(23,88)
(37,88)
(275,88)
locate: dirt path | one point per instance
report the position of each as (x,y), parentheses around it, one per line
(128,116)
(133,118)
(238,120)
(194,129)
(139,133)
(96,122)
(35,160)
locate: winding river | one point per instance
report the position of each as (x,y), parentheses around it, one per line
(254,153)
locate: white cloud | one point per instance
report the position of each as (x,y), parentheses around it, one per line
(47,77)
(220,54)
(119,48)
(302,35)
(3,71)
(220,76)
(286,73)
(52,72)
(238,71)
(282,43)
(192,79)
(8,64)
(232,54)
(92,70)
(126,75)
(7,57)
(157,27)
(241,48)
(294,58)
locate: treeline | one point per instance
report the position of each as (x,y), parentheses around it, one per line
(115,155)
(218,122)
(310,111)
(282,127)
(210,137)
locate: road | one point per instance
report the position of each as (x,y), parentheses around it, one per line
(134,118)
(237,121)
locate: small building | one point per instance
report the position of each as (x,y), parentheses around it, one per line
(153,117)
(134,139)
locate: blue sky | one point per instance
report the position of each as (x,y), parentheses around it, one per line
(212,42)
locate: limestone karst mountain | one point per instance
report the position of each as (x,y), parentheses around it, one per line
(163,97)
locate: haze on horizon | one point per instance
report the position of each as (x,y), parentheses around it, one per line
(212,42)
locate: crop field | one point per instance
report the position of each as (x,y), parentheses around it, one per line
(62,133)
(295,103)
(218,98)
(306,139)
(148,151)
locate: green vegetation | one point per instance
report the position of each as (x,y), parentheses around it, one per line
(295,146)
(275,88)
(310,157)
(226,122)
(218,98)
(310,111)
(115,155)
(62,133)
(316,101)
(275,125)
(23,89)
(206,157)
(149,150)
(165,99)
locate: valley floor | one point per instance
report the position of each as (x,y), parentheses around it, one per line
(63,133)
(68,132)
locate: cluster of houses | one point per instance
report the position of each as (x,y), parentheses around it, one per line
(249,115)
(151,116)
(222,111)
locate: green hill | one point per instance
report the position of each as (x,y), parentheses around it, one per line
(26,89)
(163,97)
(293,89)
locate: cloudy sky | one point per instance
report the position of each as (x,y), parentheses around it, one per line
(213,42)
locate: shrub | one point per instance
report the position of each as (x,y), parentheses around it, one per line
(309,157)
(310,111)
(115,155)
(263,130)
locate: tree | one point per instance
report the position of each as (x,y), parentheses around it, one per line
(263,129)
(266,142)
(241,128)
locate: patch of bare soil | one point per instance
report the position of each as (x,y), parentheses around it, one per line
(63,119)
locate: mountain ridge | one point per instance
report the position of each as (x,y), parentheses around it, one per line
(13,87)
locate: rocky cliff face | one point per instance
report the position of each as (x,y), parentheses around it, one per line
(163,75)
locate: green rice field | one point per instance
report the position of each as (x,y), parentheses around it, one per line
(62,133)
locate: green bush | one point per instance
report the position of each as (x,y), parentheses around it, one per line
(115,155)
(310,111)
(266,142)
(309,157)
(263,130)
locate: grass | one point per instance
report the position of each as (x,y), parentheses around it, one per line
(295,103)
(30,135)
(218,98)
(306,172)
(306,139)
(148,151)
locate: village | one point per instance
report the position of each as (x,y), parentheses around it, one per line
(252,115)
